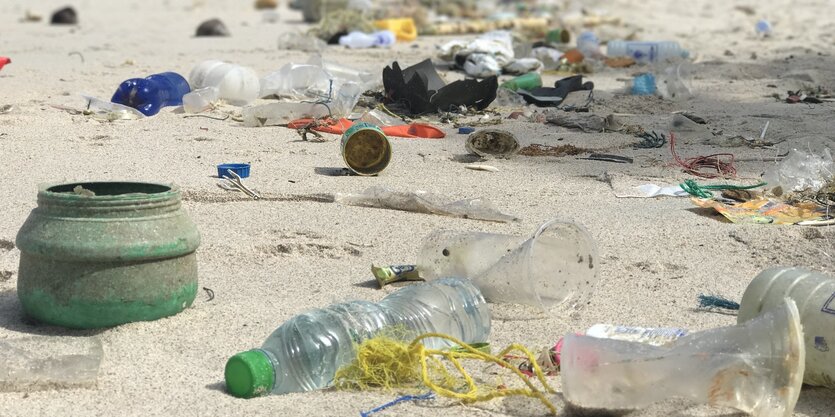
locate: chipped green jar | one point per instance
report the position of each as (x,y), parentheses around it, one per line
(100,254)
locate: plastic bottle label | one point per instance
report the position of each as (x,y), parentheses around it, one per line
(652,336)
(642,51)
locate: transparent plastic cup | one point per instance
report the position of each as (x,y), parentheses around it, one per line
(756,367)
(555,265)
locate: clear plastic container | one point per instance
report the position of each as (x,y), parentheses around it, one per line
(646,51)
(200,100)
(557,264)
(37,363)
(814,294)
(307,350)
(756,368)
(236,84)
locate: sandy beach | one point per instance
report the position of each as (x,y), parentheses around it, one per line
(267,260)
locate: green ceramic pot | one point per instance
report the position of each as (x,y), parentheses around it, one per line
(100,254)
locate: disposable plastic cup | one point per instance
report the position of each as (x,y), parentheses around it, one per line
(755,367)
(814,294)
(557,264)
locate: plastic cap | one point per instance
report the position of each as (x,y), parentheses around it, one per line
(249,374)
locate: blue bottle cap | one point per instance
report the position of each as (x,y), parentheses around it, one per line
(465,130)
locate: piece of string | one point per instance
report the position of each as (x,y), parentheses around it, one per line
(695,165)
(398,400)
(388,363)
(703,191)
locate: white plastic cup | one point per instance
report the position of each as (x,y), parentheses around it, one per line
(814,294)
(557,264)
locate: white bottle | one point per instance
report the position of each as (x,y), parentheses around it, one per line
(236,84)
(646,51)
(356,39)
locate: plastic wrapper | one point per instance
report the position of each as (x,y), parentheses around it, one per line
(424,202)
(37,363)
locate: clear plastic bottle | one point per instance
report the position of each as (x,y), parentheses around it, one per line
(655,336)
(356,39)
(152,93)
(646,51)
(307,350)
(237,84)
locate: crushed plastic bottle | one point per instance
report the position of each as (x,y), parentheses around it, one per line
(358,40)
(756,367)
(802,172)
(106,110)
(236,84)
(588,44)
(150,94)
(37,363)
(644,52)
(305,352)
(200,100)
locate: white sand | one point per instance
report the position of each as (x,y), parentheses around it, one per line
(656,255)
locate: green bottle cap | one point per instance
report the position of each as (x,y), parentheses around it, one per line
(249,374)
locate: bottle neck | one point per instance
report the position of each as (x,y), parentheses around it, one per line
(108,200)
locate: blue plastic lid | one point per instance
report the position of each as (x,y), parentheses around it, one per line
(465,130)
(241,169)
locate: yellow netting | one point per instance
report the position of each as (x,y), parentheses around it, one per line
(385,362)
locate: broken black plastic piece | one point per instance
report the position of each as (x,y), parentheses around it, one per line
(553,96)
(419,90)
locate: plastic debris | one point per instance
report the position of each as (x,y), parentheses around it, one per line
(586,122)
(802,172)
(553,96)
(419,90)
(756,367)
(105,110)
(236,84)
(357,39)
(37,363)
(300,42)
(424,202)
(643,85)
(4,61)
(763,28)
(517,269)
(200,100)
(150,94)
(763,210)
(395,273)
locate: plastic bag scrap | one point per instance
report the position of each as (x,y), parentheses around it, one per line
(424,202)
(802,172)
(490,54)
(419,90)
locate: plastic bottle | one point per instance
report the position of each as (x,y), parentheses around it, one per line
(588,44)
(152,93)
(356,39)
(646,51)
(814,294)
(528,81)
(643,85)
(306,351)
(236,84)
